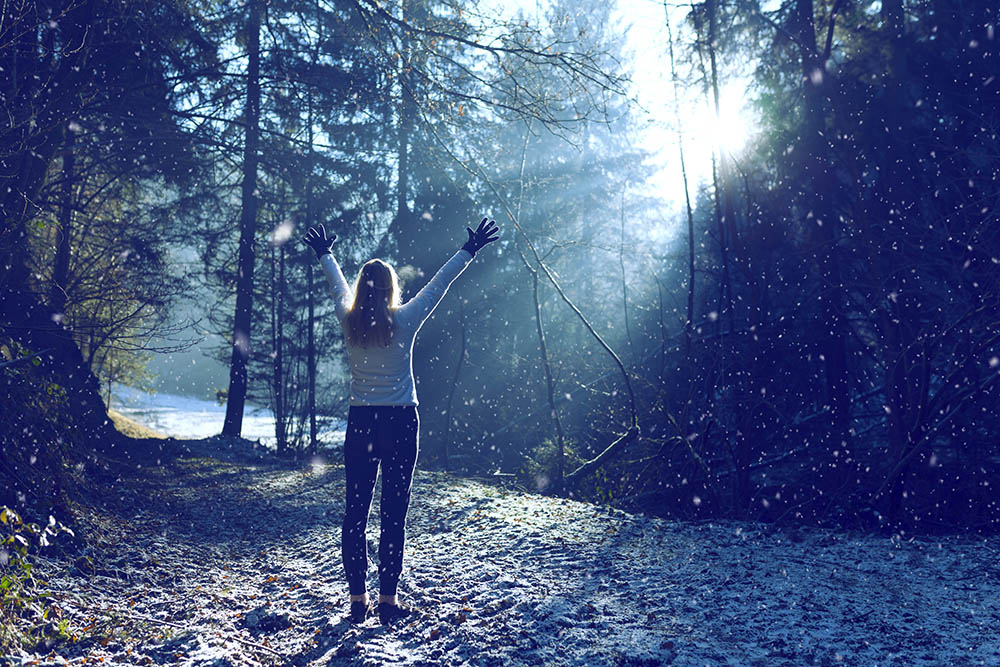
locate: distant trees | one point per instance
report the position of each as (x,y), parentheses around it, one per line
(555,182)
(926,283)
(313,157)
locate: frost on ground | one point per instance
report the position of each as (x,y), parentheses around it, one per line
(199,561)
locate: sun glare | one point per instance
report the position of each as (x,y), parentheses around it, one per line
(730,131)
(704,136)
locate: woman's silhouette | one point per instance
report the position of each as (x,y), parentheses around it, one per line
(382,421)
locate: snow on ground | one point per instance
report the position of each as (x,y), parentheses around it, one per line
(189,417)
(204,562)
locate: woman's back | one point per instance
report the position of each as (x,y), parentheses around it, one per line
(383,375)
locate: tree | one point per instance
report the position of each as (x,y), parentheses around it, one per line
(71,88)
(248,226)
(86,93)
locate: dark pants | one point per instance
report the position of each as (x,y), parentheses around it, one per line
(386,434)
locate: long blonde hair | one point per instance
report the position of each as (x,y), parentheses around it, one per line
(369,322)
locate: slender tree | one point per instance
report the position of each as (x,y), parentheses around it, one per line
(236,396)
(688,210)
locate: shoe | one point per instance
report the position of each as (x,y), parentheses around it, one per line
(389,613)
(360,611)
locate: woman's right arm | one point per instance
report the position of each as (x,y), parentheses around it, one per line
(322,244)
(338,284)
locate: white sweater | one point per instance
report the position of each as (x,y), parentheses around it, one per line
(384,375)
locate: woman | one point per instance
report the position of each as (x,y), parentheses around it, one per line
(382,421)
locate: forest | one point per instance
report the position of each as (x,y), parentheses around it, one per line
(745,270)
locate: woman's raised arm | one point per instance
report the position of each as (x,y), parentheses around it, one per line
(420,307)
(323,245)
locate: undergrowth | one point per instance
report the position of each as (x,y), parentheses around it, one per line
(28,615)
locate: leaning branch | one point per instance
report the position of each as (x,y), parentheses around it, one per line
(14,362)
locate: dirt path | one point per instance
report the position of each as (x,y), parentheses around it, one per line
(202,562)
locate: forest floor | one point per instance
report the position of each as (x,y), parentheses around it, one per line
(217,556)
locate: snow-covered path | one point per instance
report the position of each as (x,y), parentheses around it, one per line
(202,562)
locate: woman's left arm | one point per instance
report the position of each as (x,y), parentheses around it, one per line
(420,307)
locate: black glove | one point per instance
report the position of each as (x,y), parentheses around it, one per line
(319,241)
(485,233)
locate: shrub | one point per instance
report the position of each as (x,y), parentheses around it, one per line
(27,615)
(540,468)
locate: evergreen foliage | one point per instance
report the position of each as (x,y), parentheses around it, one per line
(821,346)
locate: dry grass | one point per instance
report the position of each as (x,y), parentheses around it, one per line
(132,428)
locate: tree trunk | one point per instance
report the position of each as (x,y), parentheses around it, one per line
(60,270)
(689,321)
(725,168)
(403,155)
(280,413)
(549,382)
(905,363)
(454,381)
(111,375)
(725,210)
(621,263)
(248,228)
(662,372)
(820,223)
(275,378)
(311,361)
(724,220)
(409,248)
(724,284)
(311,324)
(905,395)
